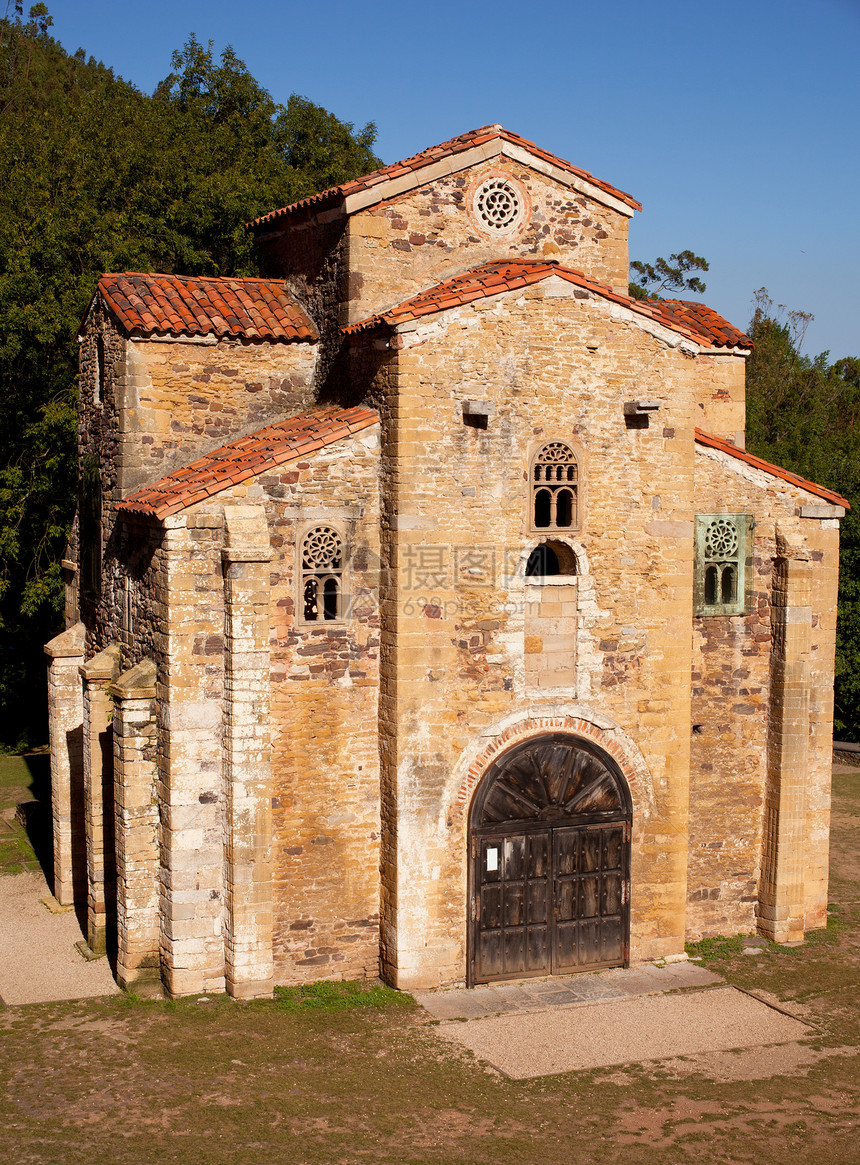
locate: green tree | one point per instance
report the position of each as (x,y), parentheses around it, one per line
(672,274)
(96,176)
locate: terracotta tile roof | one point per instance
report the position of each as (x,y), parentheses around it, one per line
(458,145)
(705,320)
(705,326)
(819,491)
(295,437)
(147,304)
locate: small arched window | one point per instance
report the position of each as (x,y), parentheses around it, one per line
(549,559)
(322,575)
(554,488)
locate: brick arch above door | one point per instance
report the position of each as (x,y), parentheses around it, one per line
(578,720)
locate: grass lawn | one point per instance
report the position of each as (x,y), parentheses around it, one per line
(25,779)
(352,1074)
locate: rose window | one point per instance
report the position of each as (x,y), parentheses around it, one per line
(721,539)
(498,205)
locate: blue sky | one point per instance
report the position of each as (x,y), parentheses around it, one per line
(735,124)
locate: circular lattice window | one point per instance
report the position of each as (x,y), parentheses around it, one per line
(721,539)
(322,550)
(498,206)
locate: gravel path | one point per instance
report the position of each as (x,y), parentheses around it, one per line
(38,959)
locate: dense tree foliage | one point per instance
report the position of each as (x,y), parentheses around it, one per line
(804,414)
(97,176)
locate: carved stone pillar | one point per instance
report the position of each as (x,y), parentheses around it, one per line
(98,675)
(781,890)
(65,729)
(137,854)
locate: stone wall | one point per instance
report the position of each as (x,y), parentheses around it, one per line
(721,397)
(733,669)
(456,499)
(324,723)
(309,252)
(320,693)
(150,406)
(419,238)
(182,398)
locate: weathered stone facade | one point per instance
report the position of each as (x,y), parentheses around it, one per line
(328,578)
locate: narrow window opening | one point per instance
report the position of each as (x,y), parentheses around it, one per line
(729,591)
(330,596)
(564,509)
(310,604)
(543,561)
(711,585)
(543,509)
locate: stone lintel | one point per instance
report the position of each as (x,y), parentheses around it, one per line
(245,554)
(104,666)
(138,683)
(822,511)
(68,644)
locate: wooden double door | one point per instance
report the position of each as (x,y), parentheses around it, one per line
(550,841)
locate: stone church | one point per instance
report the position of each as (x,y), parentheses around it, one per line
(425,614)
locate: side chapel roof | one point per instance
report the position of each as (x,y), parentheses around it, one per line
(828,495)
(236,462)
(147,304)
(694,320)
(491,139)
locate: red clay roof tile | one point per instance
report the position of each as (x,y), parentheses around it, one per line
(457,145)
(695,320)
(151,304)
(819,491)
(246,457)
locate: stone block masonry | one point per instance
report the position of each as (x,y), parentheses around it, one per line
(137,855)
(66,732)
(98,674)
(246,555)
(781,897)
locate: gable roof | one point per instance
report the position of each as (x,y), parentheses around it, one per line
(248,456)
(828,495)
(696,321)
(447,157)
(148,304)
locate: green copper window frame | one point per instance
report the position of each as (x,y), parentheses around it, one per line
(723,564)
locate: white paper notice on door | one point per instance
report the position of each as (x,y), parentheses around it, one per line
(492,859)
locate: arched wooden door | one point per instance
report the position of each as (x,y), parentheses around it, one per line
(550,858)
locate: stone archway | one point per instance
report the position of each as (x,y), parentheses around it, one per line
(549,841)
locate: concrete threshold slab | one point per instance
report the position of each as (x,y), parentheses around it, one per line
(623,1031)
(564,991)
